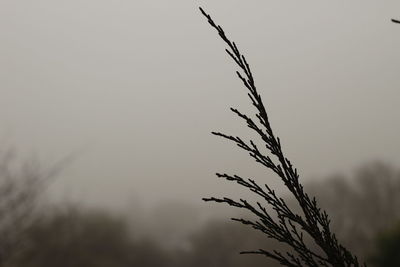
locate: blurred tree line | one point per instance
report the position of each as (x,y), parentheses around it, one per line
(365,212)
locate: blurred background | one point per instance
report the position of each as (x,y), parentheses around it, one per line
(106,109)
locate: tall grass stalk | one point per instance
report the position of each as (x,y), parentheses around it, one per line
(273,217)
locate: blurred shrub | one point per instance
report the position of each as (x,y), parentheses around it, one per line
(388,248)
(85,238)
(219,243)
(361,206)
(22,183)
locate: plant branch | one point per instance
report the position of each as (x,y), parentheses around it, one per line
(286,226)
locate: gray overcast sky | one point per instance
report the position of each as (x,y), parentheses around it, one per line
(136,86)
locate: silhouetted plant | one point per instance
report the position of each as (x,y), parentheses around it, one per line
(285,225)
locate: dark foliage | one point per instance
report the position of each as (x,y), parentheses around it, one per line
(86,238)
(388,247)
(361,205)
(21,187)
(284,224)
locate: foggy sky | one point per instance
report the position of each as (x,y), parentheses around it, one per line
(134,88)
